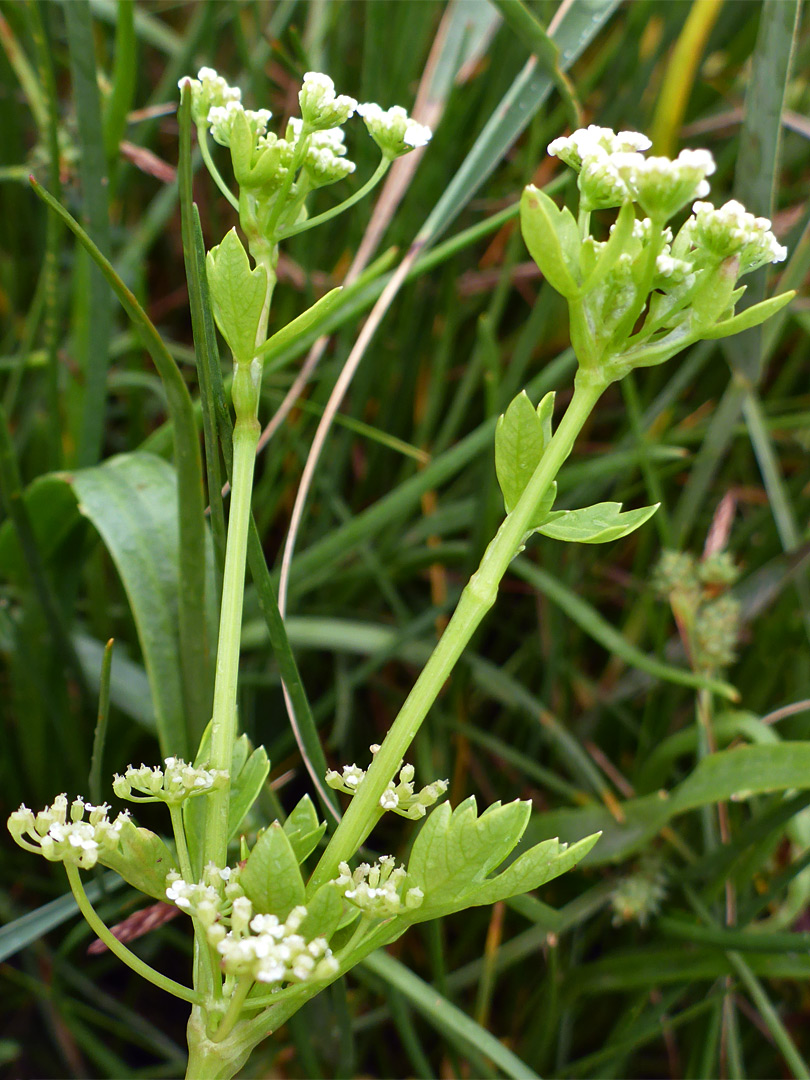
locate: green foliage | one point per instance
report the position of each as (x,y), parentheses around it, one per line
(577,667)
(303,829)
(520,438)
(595,524)
(271,878)
(142,860)
(238,294)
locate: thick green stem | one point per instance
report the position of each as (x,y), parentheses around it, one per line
(246,432)
(223,731)
(476,600)
(120,950)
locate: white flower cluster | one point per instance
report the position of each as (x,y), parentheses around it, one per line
(400,797)
(275,952)
(221,119)
(178,781)
(594,141)
(320,108)
(613,169)
(63,836)
(730,230)
(379,890)
(209,90)
(393,130)
(325,159)
(208,900)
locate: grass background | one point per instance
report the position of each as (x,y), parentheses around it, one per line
(567,694)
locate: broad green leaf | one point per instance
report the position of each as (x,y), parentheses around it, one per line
(606,260)
(520,438)
(751,317)
(456,849)
(299,326)
(595,524)
(534,868)
(324,913)
(303,829)
(238,294)
(132,501)
(541,223)
(142,860)
(271,878)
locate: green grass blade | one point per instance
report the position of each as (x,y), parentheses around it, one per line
(600,630)
(446,1017)
(122,94)
(578,26)
(94,341)
(197,663)
(202,325)
(100,735)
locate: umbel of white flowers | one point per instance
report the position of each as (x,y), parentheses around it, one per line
(312,144)
(646,293)
(400,797)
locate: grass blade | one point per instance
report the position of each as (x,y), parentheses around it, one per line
(197,666)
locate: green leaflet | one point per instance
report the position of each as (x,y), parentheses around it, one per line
(303,829)
(290,333)
(324,913)
(552,238)
(534,868)
(521,436)
(749,318)
(595,524)
(271,878)
(456,849)
(142,860)
(238,294)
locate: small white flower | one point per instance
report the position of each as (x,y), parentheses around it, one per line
(320,107)
(662,186)
(274,952)
(207,91)
(76,841)
(393,130)
(379,889)
(594,141)
(178,781)
(389,800)
(732,230)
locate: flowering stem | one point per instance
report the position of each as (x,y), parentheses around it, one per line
(241,991)
(216,176)
(246,432)
(180,841)
(118,948)
(477,598)
(327,215)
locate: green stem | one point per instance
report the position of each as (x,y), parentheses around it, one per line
(281,199)
(241,991)
(477,598)
(216,176)
(327,215)
(103,932)
(246,432)
(179,831)
(223,731)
